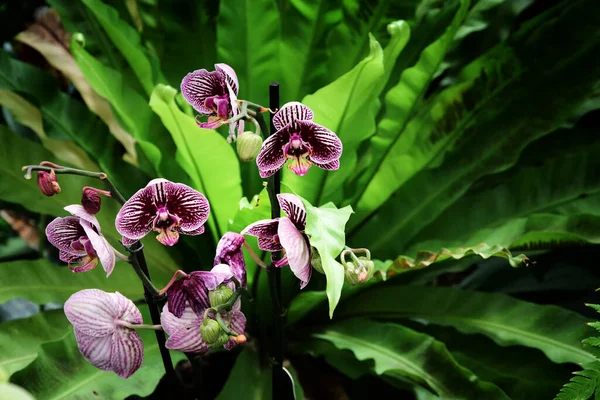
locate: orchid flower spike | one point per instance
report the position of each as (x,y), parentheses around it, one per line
(214,94)
(101,322)
(286,234)
(80,240)
(165,207)
(299,139)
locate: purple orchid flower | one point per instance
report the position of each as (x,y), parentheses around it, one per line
(286,234)
(193,289)
(229,251)
(80,240)
(101,322)
(166,207)
(184,332)
(212,93)
(300,139)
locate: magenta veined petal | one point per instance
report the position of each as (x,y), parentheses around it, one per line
(184,332)
(201,84)
(78,211)
(271,158)
(230,76)
(63,231)
(262,228)
(134,220)
(103,249)
(229,251)
(97,350)
(330,166)
(188,204)
(290,112)
(326,146)
(127,352)
(293,207)
(269,244)
(128,312)
(238,325)
(92,312)
(296,250)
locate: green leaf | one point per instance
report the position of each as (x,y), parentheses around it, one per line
(61,372)
(426,258)
(127,40)
(205,155)
(14,392)
(397,350)
(583,385)
(555,331)
(42,282)
(248,380)
(325,227)
(347,108)
(305,26)
(401,102)
(31,332)
(248,39)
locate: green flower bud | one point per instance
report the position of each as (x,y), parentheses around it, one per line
(210,331)
(248,146)
(223,339)
(356,274)
(315,260)
(220,295)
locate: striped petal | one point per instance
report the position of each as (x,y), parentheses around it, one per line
(271,156)
(290,112)
(238,325)
(97,350)
(127,352)
(78,211)
(188,204)
(330,166)
(269,244)
(101,246)
(135,218)
(296,250)
(61,232)
(229,251)
(176,298)
(197,86)
(264,228)
(326,146)
(293,207)
(70,258)
(184,332)
(128,311)
(230,76)
(92,312)
(87,264)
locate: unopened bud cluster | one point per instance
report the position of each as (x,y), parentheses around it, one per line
(359,269)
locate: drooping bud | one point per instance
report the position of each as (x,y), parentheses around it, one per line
(360,269)
(220,295)
(248,146)
(240,339)
(48,183)
(90,200)
(210,331)
(315,260)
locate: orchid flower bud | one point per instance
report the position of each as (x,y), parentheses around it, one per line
(210,331)
(220,295)
(48,183)
(360,269)
(90,200)
(248,146)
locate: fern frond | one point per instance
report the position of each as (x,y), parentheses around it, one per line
(595,325)
(594,306)
(592,341)
(583,385)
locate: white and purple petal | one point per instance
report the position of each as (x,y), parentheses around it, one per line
(229,251)
(97,350)
(290,112)
(325,144)
(92,312)
(61,232)
(269,244)
(127,353)
(293,207)
(264,228)
(188,204)
(296,250)
(184,332)
(330,166)
(197,86)
(101,246)
(271,156)
(87,264)
(70,258)
(128,311)
(238,325)
(176,298)
(78,211)
(134,220)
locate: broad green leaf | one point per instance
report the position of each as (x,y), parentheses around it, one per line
(248,37)
(305,26)
(347,108)
(14,392)
(426,258)
(508,321)
(401,102)
(17,152)
(515,80)
(248,380)
(61,372)
(20,339)
(127,40)
(325,227)
(399,350)
(30,116)
(475,20)
(205,155)
(42,282)
(60,58)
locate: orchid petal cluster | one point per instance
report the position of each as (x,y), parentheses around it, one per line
(286,234)
(299,139)
(213,93)
(80,241)
(165,207)
(102,325)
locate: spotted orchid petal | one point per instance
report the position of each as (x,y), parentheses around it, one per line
(101,246)
(183,331)
(293,207)
(238,325)
(61,232)
(296,250)
(290,112)
(199,85)
(271,157)
(229,251)
(167,207)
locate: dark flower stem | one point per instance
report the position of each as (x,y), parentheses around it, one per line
(274,273)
